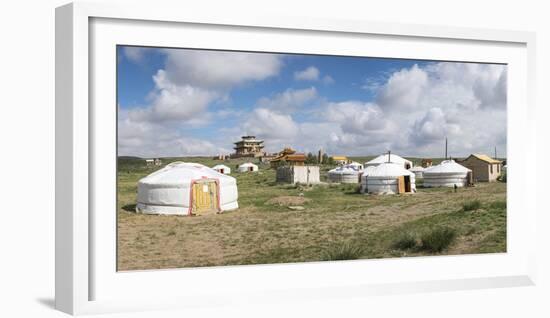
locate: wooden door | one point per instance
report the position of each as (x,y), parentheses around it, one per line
(407,180)
(204,196)
(401,184)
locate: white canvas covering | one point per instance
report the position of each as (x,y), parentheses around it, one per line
(383,178)
(168,190)
(355,165)
(344,174)
(222,169)
(446,174)
(418,171)
(248,167)
(393,158)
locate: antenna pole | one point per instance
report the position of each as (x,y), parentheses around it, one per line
(389,156)
(495,152)
(445,148)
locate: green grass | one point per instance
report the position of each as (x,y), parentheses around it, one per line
(405,241)
(337,223)
(343,251)
(438,239)
(471,205)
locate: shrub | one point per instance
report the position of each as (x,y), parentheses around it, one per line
(471,205)
(404,241)
(345,251)
(438,239)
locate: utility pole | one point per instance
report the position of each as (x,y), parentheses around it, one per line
(445,148)
(495,152)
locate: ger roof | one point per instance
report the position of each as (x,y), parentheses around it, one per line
(182,172)
(446,166)
(384,158)
(485,158)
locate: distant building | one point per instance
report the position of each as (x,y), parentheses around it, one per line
(288,156)
(484,168)
(153,162)
(341,160)
(426,163)
(249,146)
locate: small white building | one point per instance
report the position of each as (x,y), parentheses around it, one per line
(184,188)
(223,169)
(390,157)
(248,167)
(388,178)
(298,174)
(447,174)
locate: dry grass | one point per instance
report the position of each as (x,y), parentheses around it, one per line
(263,230)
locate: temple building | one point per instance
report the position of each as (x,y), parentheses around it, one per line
(288,156)
(249,146)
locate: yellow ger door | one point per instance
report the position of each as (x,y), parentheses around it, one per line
(205,197)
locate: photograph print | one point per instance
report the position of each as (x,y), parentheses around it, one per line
(240,158)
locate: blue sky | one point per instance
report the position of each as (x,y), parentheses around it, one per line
(184,102)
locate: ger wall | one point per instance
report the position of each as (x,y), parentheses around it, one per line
(298,174)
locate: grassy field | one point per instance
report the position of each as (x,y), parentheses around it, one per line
(336,223)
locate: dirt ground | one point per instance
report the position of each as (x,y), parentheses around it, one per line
(264,229)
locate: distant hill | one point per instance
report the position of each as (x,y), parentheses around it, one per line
(129,158)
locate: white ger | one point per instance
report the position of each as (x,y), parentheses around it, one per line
(223,169)
(388,178)
(184,188)
(446,174)
(248,167)
(345,174)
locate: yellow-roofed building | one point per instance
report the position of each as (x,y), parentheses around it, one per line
(484,168)
(342,160)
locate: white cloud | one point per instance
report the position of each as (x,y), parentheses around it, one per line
(184,90)
(134,54)
(271,125)
(170,102)
(403,89)
(309,74)
(417,107)
(289,100)
(219,69)
(327,79)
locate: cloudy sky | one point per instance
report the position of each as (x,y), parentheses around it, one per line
(179,102)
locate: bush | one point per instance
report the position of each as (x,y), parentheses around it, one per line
(438,239)
(405,241)
(502,177)
(345,251)
(471,205)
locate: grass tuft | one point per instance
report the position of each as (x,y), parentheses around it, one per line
(405,241)
(345,251)
(471,205)
(438,239)
(498,205)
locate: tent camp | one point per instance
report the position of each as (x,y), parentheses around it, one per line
(248,167)
(447,174)
(388,178)
(186,189)
(345,174)
(393,158)
(223,169)
(418,171)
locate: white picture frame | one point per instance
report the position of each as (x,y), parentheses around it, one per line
(85,279)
